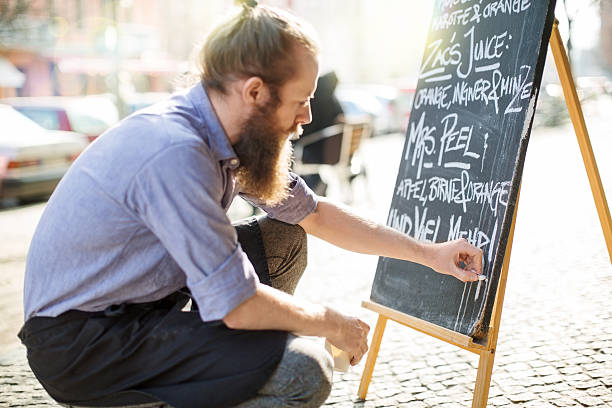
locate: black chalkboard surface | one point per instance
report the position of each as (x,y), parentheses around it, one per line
(463,156)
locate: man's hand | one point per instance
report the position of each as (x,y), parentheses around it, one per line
(349,334)
(447,258)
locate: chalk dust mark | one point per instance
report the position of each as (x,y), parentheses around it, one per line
(465,308)
(477,290)
(460,306)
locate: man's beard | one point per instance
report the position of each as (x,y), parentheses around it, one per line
(265,155)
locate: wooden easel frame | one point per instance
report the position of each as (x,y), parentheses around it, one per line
(487,351)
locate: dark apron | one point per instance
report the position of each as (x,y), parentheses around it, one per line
(138,353)
(152,349)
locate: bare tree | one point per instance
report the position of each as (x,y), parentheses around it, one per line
(10,13)
(571,17)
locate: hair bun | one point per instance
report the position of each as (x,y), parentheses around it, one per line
(249,3)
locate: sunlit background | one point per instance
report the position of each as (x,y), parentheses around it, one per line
(82,65)
(74,47)
(69,69)
(78,47)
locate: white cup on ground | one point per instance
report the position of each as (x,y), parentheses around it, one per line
(342,360)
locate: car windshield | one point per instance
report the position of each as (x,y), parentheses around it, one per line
(87,124)
(92,115)
(47,118)
(13,121)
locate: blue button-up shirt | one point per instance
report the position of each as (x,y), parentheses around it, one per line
(142,213)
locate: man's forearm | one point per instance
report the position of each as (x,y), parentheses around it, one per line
(338,226)
(271,309)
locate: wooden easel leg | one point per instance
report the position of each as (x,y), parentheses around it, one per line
(487,357)
(372,354)
(575,111)
(483,379)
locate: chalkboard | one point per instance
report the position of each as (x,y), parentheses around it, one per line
(464,151)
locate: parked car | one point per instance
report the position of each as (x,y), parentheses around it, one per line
(89,115)
(403,103)
(361,106)
(390,118)
(396,100)
(387,106)
(33,159)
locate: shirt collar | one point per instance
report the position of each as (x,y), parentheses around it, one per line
(219,142)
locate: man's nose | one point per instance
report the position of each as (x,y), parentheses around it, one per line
(304,116)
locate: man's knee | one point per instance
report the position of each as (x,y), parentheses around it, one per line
(316,373)
(286,252)
(299,245)
(278,232)
(308,370)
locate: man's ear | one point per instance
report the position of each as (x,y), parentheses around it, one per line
(255,92)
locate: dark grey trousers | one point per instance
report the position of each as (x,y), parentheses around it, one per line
(303,378)
(142,353)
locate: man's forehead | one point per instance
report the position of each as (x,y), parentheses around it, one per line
(305,80)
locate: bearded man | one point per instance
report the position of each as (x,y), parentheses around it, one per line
(138,228)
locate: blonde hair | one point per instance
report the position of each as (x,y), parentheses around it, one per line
(257,41)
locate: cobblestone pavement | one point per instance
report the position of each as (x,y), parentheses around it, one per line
(555,341)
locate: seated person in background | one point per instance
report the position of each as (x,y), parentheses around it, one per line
(326,111)
(325,107)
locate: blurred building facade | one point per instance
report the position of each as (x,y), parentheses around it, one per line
(79,47)
(75,47)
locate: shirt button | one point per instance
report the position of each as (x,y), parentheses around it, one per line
(234,162)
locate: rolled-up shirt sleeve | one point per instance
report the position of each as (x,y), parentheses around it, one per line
(178,195)
(301,202)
